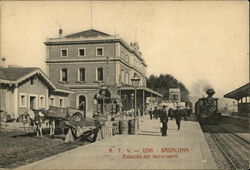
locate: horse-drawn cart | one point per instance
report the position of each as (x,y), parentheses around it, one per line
(75,122)
(64,113)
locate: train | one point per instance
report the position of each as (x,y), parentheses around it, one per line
(206,109)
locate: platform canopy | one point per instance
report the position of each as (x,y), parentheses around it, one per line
(239,93)
(142,88)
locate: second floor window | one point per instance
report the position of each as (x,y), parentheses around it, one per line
(81,74)
(99,51)
(81,52)
(100,74)
(64,74)
(64,53)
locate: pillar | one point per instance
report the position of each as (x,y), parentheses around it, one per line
(143,102)
(15,103)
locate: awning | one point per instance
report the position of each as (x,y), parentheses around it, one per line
(141,88)
(239,93)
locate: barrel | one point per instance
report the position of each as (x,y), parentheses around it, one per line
(123,126)
(131,126)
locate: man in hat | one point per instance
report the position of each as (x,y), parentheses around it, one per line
(178,115)
(164,120)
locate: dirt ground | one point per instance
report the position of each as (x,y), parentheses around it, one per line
(18,148)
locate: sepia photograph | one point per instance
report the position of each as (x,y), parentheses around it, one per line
(124,84)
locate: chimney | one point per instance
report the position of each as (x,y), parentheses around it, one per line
(3,62)
(60,32)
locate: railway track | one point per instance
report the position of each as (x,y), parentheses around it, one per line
(233,148)
(215,139)
(241,138)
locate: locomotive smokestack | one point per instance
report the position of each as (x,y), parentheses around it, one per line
(60,32)
(210,92)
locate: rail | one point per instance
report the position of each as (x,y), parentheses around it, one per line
(236,135)
(215,139)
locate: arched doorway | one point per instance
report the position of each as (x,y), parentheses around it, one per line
(82,104)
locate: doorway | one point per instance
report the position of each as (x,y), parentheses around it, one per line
(32,101)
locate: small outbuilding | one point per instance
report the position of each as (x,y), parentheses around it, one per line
(23,88)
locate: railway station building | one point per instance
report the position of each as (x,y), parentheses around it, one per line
(242,95)
(89,61)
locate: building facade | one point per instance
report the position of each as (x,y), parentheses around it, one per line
(89,60)
(28,88)
(174,95)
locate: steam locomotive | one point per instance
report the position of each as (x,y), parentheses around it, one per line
(206,109)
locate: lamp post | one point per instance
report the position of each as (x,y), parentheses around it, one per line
(135,82)
(132,99)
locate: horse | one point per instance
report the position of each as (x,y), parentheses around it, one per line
(36,118)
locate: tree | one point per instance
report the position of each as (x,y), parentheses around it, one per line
(162,84)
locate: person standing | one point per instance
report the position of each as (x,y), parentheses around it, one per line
(151,113)
(155,112)
(178,115)
(171,113)
(164,120)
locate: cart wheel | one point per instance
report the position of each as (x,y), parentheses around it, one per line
(76,117)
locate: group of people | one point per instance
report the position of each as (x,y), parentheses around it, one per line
(163,113)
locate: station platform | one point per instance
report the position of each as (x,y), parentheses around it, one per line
(181,149)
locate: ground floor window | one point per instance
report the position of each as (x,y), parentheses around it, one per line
(42,101)
(23,100)
(61,102)
(52,101)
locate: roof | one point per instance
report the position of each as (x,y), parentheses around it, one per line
(14,75)
(141,88)
(62,88)
(239,93)
(87,34)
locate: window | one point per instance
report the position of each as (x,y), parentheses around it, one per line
(42,101)
(126,57)
(100,74)
(243,100)
(64,74)
(122,76)
(99,51)
(127,78)
(23,100)
(81,74)
(64,53)
(61,102)
(32,81)
(81,52)
(52,101)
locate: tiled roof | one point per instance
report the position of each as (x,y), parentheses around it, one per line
(88,34)
(13,74)
(239,93)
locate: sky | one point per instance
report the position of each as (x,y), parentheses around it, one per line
(202,43)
